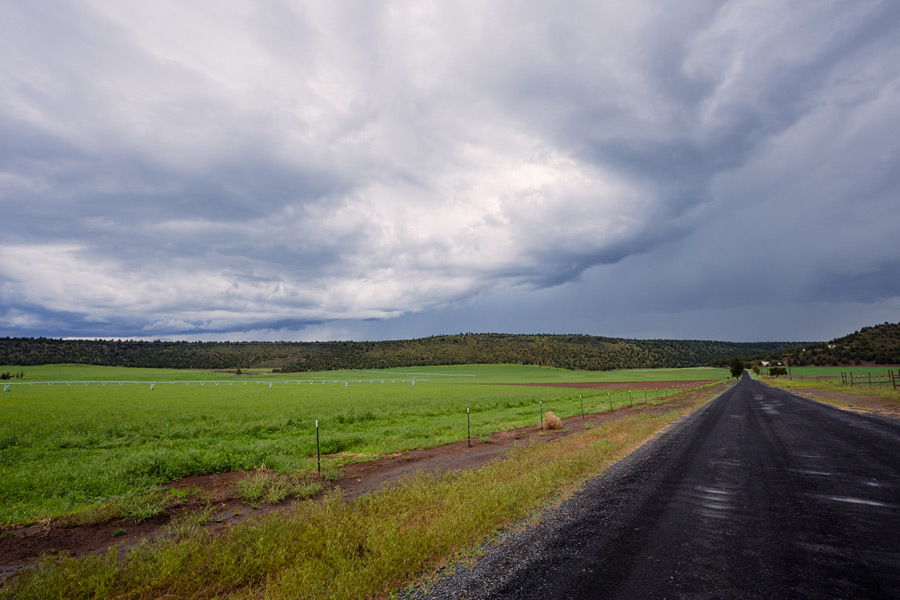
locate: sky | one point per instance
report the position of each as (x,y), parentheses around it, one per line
(363,170)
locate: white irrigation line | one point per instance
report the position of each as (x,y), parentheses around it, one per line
(425,374)
(152,384)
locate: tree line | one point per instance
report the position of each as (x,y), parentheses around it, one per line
(563,351)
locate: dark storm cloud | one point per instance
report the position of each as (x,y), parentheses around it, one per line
(315,170)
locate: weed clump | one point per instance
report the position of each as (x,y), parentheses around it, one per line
(551,421)
(264,485)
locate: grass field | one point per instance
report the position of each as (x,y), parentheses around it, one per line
(836,371)
(67,447)
(827,379)
(369,548)
(481,373)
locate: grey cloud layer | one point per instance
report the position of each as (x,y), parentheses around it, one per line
(198,168)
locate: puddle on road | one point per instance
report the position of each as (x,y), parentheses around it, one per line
(713,502)
(874,484)
(811,472)
(861,501)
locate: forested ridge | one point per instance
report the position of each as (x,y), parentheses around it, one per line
(879,344)
(563,351)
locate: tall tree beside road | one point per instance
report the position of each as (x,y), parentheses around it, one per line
(737,367)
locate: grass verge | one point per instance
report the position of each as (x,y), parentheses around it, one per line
(842,396)
(364,549)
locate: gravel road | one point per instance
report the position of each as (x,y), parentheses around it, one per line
(759,494)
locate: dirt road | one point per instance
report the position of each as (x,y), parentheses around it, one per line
(759,494)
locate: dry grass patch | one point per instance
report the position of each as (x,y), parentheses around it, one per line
(551,421)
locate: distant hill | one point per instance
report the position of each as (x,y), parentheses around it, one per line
(878,345)
(563,351)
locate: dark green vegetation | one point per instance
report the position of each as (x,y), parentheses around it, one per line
(878,345)
(737,367)
(561,351)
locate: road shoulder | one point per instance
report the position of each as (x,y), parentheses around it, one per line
(489,571)
(858,399)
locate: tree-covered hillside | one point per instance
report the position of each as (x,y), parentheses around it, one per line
(878,345)
(564,351)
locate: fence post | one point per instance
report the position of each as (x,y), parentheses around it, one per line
(541,408)
(318,456)
(609,397)
(582,406)
(468,428)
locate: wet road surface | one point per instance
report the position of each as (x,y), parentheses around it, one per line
(759,494)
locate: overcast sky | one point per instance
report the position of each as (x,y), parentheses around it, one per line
(278,170)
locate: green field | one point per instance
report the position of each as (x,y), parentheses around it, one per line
(481,373)
(858,371)
(65,447)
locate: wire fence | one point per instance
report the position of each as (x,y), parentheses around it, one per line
(851,379)
(871,380)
